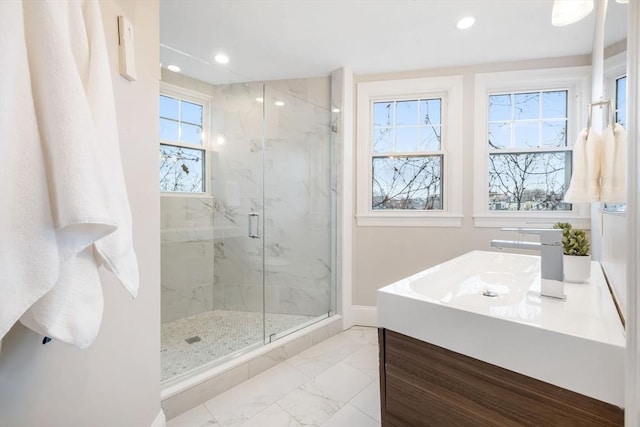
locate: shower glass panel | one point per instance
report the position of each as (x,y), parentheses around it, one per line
(297,213)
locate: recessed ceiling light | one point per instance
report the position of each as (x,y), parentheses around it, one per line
(173,68)
(335,110)
(260,99)
(622,1)
(465,22)
(221,58)
(279,103)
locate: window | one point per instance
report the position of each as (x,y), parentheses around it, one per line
(409,147)
(529,164)
(525,124)
(407,157)
(183,157)
(621,101)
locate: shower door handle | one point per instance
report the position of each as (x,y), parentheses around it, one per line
(254,225)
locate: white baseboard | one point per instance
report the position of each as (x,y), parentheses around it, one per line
(365,315)
(160,420)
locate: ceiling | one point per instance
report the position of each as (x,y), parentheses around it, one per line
(282,39)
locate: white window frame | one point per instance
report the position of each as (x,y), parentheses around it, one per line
(449,89)
(192,96)
(614,68)
(576,80)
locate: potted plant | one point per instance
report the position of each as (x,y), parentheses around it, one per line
(577,259)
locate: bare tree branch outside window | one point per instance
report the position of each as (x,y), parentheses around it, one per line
(408,157)
(529,164)
(181,169)
(182,161)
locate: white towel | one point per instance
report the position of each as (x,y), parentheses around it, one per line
(28,251)
(87,201)
(614,165)
(585,176)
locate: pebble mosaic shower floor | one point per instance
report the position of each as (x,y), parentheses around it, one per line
(215,334)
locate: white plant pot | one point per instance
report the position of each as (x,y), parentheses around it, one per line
(577,269)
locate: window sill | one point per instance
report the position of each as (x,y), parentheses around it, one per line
(543,220)
(187,195)
(409,219)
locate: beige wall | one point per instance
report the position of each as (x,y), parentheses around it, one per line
(382,255)
(116,381)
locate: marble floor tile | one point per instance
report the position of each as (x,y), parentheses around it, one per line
(273,416)
(365,360)
(322,356)
(361,334)
(307,408)
(322,396)
(197,417)
(351,417)
(368,400)
(242,402)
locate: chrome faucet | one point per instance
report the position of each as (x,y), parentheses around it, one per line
(551,264)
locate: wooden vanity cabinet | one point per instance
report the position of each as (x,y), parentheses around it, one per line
(425,385)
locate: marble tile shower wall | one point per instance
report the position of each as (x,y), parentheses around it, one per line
(187,251)
(207,260)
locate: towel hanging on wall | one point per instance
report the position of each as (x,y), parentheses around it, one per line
(86,220)
(599,162)
(585,177)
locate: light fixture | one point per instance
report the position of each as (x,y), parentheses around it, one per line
(220,139)
(260,99)
(622,1)
(279,103)
(173,68)
(465,22)
(567,12)
(335,110)
(221,58)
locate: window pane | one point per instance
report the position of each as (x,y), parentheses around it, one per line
(407,182)
(382,140)
(526,105)
(169,130)
(406,140)
(554,133)
(430,138)
(191,113)
(430,112)
(168,107)
(621,101)
(529,181)
(526,135)
(181,169)
(554,104)
(382,114)
(406,113)
(499,135)
(191,134)
(499,108)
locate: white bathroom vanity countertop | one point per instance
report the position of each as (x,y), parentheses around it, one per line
(576,343)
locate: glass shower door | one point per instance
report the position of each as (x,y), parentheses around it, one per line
(297,213)
(237,193)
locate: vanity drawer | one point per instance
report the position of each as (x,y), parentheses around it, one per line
(426,385)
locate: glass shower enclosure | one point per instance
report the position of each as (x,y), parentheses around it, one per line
(252,261)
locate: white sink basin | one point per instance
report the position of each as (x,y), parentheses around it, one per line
(487,305)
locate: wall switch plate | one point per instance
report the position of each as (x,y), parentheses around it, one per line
(126,49)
